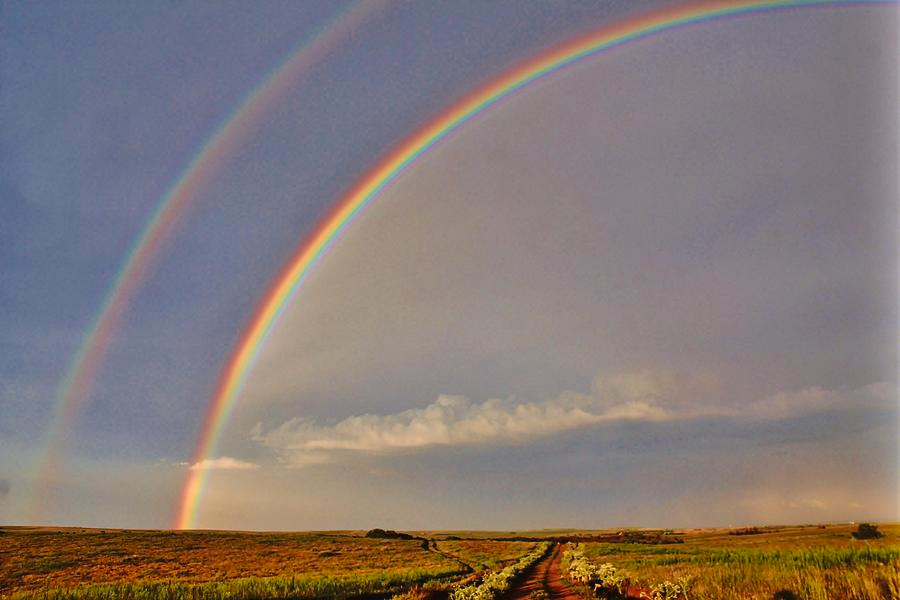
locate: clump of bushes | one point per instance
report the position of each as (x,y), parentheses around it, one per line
(867,531)
(746,531)
(648,537)
(389,534)
(608,583)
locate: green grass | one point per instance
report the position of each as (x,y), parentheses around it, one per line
(321,586)
(639,555)
(810,563)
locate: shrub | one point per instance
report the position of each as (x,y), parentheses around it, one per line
(746,531)
(867,531)
(605,578)
(388,534)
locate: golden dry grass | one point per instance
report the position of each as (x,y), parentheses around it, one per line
(483,554)
(40,559)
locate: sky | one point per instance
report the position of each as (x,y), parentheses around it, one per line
(656,288)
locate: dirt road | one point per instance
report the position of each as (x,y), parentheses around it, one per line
(546,575)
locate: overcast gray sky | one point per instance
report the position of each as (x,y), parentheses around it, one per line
(657,288)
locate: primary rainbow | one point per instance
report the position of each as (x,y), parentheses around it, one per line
(73,390)
(367,188)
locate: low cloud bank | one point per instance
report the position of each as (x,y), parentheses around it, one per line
(449,421)
(816,399)
(223,463)
(457,421)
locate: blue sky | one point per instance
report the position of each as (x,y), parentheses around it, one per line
(657,288)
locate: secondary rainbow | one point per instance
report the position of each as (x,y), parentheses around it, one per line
(73,391)
(368,187)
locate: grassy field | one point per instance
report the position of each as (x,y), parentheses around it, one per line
(484,554)
(812,562)
(69,563)
(809,562)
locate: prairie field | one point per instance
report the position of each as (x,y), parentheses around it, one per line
(90,563)
(790,562)
(797,562)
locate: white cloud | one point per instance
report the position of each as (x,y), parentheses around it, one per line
(224,463)
(457,421)
(644,395)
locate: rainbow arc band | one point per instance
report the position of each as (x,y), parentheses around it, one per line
(308,254)
(74,389)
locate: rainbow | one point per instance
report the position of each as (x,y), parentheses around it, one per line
(73,391)
(368,187)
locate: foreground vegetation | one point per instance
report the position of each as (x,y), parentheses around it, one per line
(780,563)
(251,588)
(814,563)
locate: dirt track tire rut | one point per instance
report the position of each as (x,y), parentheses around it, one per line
(546,575)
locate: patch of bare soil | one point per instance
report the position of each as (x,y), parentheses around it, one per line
(546,576)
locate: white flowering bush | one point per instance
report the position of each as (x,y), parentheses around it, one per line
(605,578)
(669,591)
(494,584)
(583,571)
